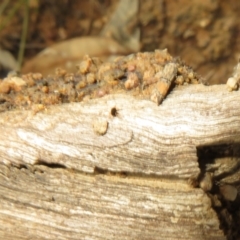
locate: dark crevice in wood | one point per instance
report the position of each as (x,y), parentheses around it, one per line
(21,166)
(207,154)
(99,171)
(50,165)
(227,210)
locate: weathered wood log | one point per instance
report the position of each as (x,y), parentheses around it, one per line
(119,168)
(60,204)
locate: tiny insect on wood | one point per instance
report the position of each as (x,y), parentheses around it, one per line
(168,75)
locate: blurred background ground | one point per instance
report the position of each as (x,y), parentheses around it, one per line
(40,35)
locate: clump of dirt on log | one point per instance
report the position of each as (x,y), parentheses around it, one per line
(136,74)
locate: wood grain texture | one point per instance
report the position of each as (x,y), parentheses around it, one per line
(126,182)
(60,204)
(142,138)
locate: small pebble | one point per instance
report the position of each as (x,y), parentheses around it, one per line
(206,182)
(229,192)
(100,127)
(232,84)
